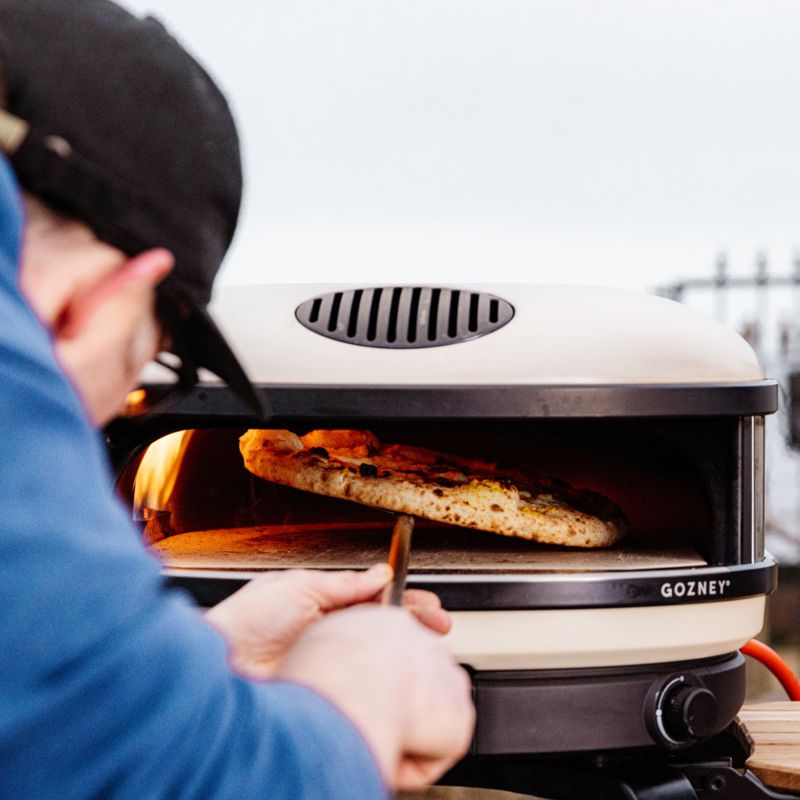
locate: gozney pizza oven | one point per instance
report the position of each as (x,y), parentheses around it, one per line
(635,397)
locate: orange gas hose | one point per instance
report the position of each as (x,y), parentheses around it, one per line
(776,665)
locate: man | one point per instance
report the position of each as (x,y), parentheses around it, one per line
(111,687)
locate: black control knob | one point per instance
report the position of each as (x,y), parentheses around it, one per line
(689,713)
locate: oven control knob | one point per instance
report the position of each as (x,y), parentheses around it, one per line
(689,713)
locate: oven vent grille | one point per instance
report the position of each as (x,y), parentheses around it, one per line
(404,317)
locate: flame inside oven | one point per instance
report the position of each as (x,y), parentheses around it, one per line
(155,480)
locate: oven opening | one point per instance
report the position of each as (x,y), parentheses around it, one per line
(199,508)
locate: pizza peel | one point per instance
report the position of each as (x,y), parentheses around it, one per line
(399,551)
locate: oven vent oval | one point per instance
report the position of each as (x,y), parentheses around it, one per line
(404,317)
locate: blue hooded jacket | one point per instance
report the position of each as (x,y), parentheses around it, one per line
(111,686)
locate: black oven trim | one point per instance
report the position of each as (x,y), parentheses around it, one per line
(609,590)
(288,402)
(509,592)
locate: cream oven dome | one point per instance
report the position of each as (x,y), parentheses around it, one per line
(657,408)
(558,334)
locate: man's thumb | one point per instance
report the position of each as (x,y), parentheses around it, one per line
(342,589)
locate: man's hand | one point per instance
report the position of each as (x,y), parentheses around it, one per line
(397,683)
(264,618)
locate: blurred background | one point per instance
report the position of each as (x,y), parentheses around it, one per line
(618,143)
(653,147)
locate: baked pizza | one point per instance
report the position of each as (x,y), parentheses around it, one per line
(354,465)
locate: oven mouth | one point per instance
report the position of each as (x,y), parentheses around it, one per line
(216,521)
(215,505)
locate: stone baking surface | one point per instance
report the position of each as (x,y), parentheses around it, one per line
(434,549)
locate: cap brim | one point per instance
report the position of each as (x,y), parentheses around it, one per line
(207,348)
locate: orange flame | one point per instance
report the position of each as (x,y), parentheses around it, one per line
(134,402)
(158,471)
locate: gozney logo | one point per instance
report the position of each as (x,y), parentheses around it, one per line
(694,588)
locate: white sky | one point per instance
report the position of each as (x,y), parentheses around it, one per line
(619,143)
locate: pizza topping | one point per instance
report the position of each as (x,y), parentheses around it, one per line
(367,470)
(282,443)
(341,443)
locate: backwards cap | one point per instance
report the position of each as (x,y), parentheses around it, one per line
(115,124)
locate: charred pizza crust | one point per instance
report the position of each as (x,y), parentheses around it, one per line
(426,483)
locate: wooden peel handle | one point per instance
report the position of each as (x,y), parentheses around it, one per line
(399,551)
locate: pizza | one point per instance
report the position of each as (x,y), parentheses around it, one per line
(354,465)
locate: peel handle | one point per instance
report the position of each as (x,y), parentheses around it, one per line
(399,551)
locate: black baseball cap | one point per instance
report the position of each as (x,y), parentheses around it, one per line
(109,120)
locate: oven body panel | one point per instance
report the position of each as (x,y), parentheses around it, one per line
(558,335)
(570,711)
(602,637)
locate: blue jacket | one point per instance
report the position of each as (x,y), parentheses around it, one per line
(111,686)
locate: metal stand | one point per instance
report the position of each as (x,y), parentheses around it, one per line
(711,771)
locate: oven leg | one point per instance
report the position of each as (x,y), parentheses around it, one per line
(614,777)
(722,780)
(587,778)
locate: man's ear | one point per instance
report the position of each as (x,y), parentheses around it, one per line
(147,269)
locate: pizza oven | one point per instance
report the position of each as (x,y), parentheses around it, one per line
(634,397)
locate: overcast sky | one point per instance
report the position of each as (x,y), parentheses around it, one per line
(619,143)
